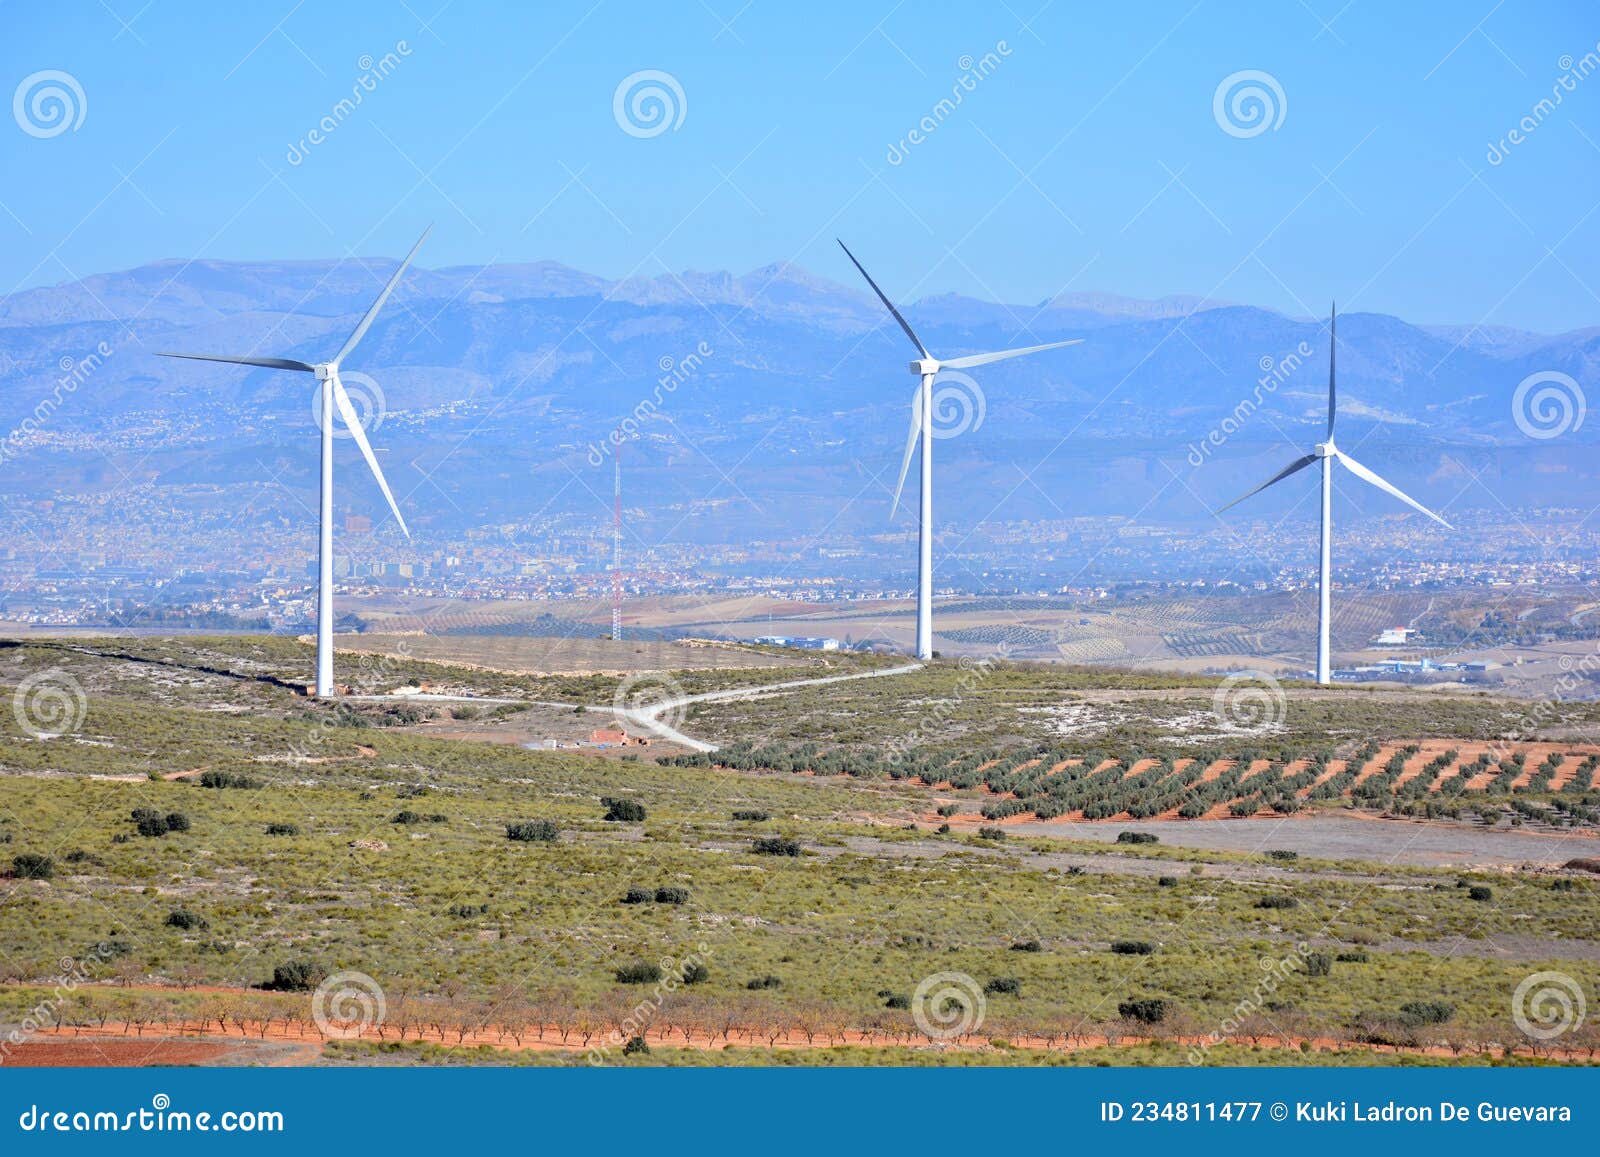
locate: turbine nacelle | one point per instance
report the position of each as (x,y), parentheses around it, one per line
(1325,449)
(924,367)
(325,370)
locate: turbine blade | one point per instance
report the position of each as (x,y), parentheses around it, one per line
(911,444)
(267,363)
(1297,464)
(352,420)
(1333,344)
(971,360)
(889,305)
(1362,472)
(372,313)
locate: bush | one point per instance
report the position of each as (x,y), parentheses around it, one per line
(1353,956)
(1146,1010)
(991,833)
(636,1046)
(227,779)
(32,866)
(152,823)
(638,896)
(532,831)
(1004,985)
(629,811)
(1167,882)
(898,1000)
(1282,854)
(1137,838)
(639,972)
(672,894)
(776,846)
(1277,902)
(763,982)
(1480,892)
(1027,946)
(1318,963)
(406,817)
(947,810)
(283,829)
(176,822)
(1132,947)
(696,973)
(754,815)
(182,918)
(296,976)
(467,911)
(1415,1013)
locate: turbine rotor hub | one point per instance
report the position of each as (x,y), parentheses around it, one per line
(1325,449)
(325,371)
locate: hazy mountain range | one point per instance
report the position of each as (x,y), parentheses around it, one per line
(501,380)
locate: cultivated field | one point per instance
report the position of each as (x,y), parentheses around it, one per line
(207,847)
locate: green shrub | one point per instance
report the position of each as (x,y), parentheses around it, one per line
(1480,892)
(898,1000)
(280,829)
(1027,946)
(776,846)
(640,972)
(754,815)
(1167,882)
(636,1046)
(948,810)
(532,831)
(182,918)
(1138,838)
(1277,902)
(152,823)
(763,982)
(1415,1013)
(695,972)
(406,817)
(672,894)
(1352,956)
(1319,963)
(1004,986)
(1145,1010)
(1132,947)
(296,976)
(1282,854)
(636,895)
(32,866)
(227,779)
(629,811)
(991,833)
(467,911)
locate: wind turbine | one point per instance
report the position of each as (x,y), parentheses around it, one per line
(926,367)
(333,396)
(1328,453)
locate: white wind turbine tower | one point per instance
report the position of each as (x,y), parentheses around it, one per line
(926,367)
(333,396)
(1328,453)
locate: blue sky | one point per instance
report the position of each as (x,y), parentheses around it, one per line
(1089,157)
